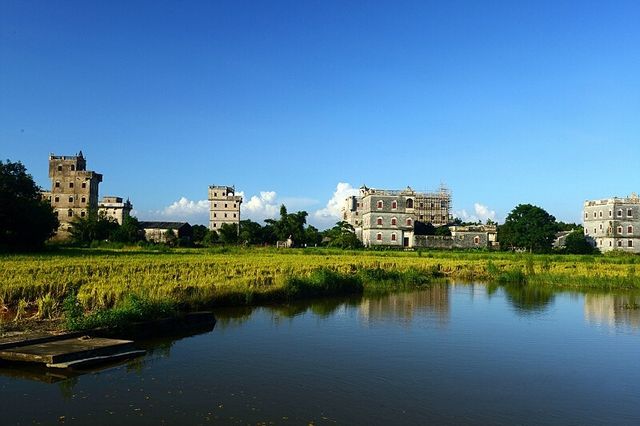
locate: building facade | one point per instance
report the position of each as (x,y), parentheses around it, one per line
(115,208)
(165,232)
(224,207)
(388,217)
(74,189)
(613,223)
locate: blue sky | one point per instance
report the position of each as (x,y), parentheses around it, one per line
(505,102)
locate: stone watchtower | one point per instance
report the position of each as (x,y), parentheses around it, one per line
(74,189)
(224,207)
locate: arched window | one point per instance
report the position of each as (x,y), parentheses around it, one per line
(69,212)
(379,236)
(409,221)
(394,221)
(394,204)
(380,204)
(476,240)
(393,237)
(379,221)
(409,203)
(629,229)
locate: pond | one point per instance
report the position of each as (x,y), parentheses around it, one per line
(449,354)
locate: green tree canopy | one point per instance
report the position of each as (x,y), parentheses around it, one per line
(576,243)
(529,227)
(92,227)
(26,221)
(343,235)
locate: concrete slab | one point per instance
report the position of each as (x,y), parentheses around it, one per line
(66,350)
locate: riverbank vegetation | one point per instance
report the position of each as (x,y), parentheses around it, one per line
(36,285)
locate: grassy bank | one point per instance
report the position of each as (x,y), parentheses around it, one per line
(36,285)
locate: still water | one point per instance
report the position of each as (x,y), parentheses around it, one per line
(450,354)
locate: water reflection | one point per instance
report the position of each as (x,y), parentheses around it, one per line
(529,299)
(612,309)
(403,307)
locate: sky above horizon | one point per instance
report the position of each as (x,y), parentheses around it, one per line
(301,102)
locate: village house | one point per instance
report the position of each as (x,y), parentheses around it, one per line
(613,223)
(161,232)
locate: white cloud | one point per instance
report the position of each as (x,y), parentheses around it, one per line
(480,213)
(258,208)
(330,214)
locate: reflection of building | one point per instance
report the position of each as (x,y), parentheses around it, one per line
(224,207)
(115,208)
(608,309)
(74,189)
(388,217)
(430,302)
(613,223)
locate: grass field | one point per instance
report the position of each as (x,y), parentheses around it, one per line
(196,278)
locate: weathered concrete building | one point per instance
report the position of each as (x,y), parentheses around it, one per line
(224,207)
(115,208)
(462,237)
(74,189)
(388,217)
(160,232)
(613,223)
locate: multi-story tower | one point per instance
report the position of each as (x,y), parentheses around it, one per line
(115,208)
(74,189)
(224,207)
(388,217)
(613,223)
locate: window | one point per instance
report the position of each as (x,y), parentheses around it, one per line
(394,221)
(234,205)
(619,213)
(421,217)
(73,167)
(71,199)
(600,214)
(215,224)
(393,237)
(344,216)
(629,212)
(629,229)
(443,204)
(356,213)
(379,237)
(409,203)
(225,205)
(83,199)
(380,204)
(629,243)
(586,215)
(57,199)
(394,204)
(69,212)
(476,240)
(215,215)
(234,215)
(84,184)
(56,213)
(595,230)
(215,194)
(57,184)
(619,229)
(225,215)
(379,221)
(609,243)
(82,214)
(594,214)
(600,226)
(215,205)
(409,221)
(610,213)
(59,168)
(619,243)
(70,184)
(421,205)
(433,217)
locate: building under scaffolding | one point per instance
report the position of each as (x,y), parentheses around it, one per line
(389,217)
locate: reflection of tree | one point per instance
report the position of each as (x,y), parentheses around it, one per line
(528,299)
(66,387)
(320,307)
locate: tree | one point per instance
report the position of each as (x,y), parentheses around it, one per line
(228,233)
(92,227)
(343,235)
(289,225)
(198,233)
(422,228)
(250,232)
(170,237)
(443,231)
(129,232)
(312,237)
(26,221)
(576,243)
(529,227)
